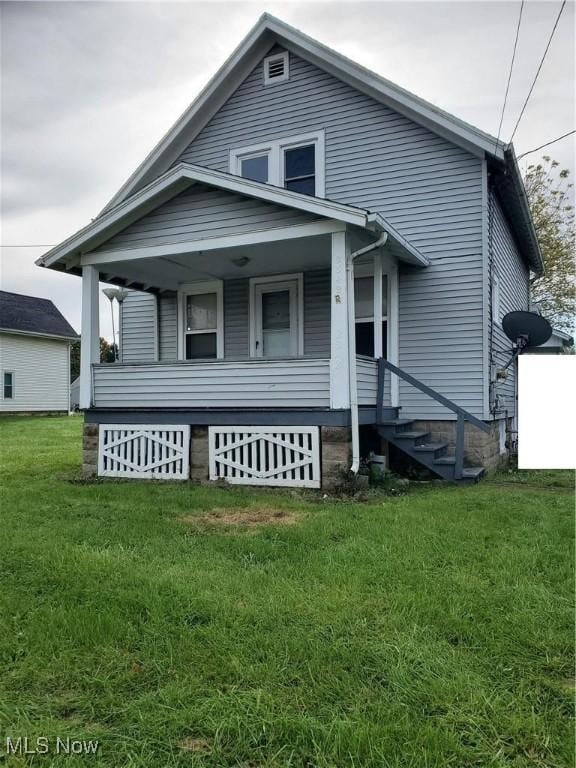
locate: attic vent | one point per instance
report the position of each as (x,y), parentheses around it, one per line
(276,68)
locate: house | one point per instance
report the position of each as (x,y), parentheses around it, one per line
(35,341)
(317,258)
(559,343)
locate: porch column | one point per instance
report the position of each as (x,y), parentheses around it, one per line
(90,347)
(378,347)
(339,353)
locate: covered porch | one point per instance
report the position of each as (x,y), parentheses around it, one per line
(287,340)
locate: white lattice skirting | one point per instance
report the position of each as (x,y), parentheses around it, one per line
(149,451)
(285,456)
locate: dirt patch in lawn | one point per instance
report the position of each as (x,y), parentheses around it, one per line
(246,517)
(195,745)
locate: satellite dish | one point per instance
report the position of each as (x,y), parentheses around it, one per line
(526,329)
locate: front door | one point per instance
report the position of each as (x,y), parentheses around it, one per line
(276,319)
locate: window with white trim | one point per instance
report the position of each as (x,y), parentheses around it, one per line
(276,68)
(364,314)
(201,320)
(8,385)
(295,163)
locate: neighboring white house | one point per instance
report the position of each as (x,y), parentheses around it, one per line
(35,341)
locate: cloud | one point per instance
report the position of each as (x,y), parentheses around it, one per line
(88,88)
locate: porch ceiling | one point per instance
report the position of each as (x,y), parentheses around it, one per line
(168,272)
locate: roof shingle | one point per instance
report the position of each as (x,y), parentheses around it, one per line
(29,314)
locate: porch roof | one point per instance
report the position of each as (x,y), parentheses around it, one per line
(68,255)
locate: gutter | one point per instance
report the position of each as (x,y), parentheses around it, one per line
(353,383)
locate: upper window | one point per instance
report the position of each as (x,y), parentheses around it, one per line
(276,68)
(300,169)
(255,168)
(295,163)
(8,385)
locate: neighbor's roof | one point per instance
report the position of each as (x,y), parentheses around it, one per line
(185,175)
(33,316)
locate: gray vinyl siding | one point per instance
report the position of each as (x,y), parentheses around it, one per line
(138,328)
(514,287)
(203,212)
(317,313)
(138,321)
(428,188)
(167,326)
(236,318)
(41,373)
(214,384)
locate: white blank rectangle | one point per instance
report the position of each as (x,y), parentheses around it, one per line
(546,412)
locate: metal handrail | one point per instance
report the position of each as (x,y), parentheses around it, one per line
(462,413)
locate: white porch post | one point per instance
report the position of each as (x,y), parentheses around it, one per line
(339,354)
(378,348)
(90,347)
(393,332)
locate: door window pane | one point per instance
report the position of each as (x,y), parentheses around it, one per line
(276,332)
(275,310)
(201,312)
(8,386)
(255,168)
(300,169)
(200,346)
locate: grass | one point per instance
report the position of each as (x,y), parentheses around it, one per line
(432,629)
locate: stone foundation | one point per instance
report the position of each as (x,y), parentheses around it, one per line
(336,450)
(90,450)
(199,462)
(481,449)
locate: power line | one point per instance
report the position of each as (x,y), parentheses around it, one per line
(510,72)
(564,135)
(37,245)
(539,68)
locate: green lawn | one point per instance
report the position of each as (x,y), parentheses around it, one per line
(430,629)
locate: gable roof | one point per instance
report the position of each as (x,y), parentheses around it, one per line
(33,316)
(270,31)
(267,32)
(184,175)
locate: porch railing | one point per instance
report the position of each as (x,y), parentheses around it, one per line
(462,414)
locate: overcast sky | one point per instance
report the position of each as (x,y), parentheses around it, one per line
(89,88)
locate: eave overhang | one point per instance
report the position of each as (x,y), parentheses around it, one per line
(512,194)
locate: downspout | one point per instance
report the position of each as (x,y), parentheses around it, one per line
(353,383)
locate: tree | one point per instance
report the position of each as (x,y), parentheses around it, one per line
(549,194)
(74,360)
(106,356)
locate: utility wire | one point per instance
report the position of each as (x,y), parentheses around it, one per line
(510,72)
(37,245)
(564,135)
(539,68)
